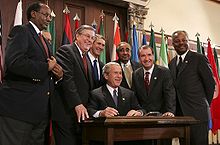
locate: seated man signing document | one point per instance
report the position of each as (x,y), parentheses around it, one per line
(111,99)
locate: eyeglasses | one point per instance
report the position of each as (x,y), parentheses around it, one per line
(88,36)
(46,15)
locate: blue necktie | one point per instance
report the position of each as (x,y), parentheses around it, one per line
(95,70)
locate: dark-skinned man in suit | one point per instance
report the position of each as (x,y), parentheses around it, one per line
(70,100)
(194,85)
(128,66)
(30,74)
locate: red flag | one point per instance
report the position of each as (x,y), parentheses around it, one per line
(67,34)
(116,39)
(76,19)
(215,105)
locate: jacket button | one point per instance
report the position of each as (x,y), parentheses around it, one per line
(48,93)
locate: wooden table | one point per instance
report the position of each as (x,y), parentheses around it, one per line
(126,128)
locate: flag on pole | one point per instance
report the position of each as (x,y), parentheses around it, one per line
(135,45)
(18,14)
(153,45)
(199,48)
(116,38)
(216,59)
(76,19)
(67,33)
(144,39)
(163,59)
(215,107)
(51,28)
(1,51)
(94,24)
(101,31)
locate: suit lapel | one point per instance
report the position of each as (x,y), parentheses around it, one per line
(185,62)
(141,79)
(108,97)
(79,58)
(37,39)
(153,78)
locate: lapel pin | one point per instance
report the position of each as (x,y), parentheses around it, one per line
(155,78)
(186,61)
(123,99)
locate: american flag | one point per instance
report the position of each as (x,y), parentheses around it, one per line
(1,52)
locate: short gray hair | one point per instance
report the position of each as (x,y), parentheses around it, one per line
(106,69)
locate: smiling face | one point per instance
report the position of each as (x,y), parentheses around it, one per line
(41,18)
(124,52)
(180,42)
(85,39)
(146,57)
(113,75)
(97,47)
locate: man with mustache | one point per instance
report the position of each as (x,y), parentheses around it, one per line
(30,73)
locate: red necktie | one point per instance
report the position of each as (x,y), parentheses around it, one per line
(147,81)
(85,63)
(44,44)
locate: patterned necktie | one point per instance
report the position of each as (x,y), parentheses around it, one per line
(147,81)
(128,75)
(85,63)
(95,70)
(115,97)
(44,44)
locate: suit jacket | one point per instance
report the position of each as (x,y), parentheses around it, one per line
(161,95)
(135,66)
(101,81)
(75,86)
(194,85)
(24,94)
(101,98)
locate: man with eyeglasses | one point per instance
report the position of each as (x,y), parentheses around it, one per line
(128,66)
(71,97)
(194,83)
(30,73)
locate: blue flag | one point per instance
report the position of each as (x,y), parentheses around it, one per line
(135,45)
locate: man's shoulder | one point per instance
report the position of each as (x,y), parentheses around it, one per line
(125,90)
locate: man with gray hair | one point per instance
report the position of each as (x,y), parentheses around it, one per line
(112,99)
(71,97)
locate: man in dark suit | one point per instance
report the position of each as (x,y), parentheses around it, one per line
(128,66)
(70,100)
(194,85)
(102,102)
(96,65)
(28,81)
(153,87)
(155,92)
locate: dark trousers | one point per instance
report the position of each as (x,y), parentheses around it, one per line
(67,133)
(16,132)
(199,134)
